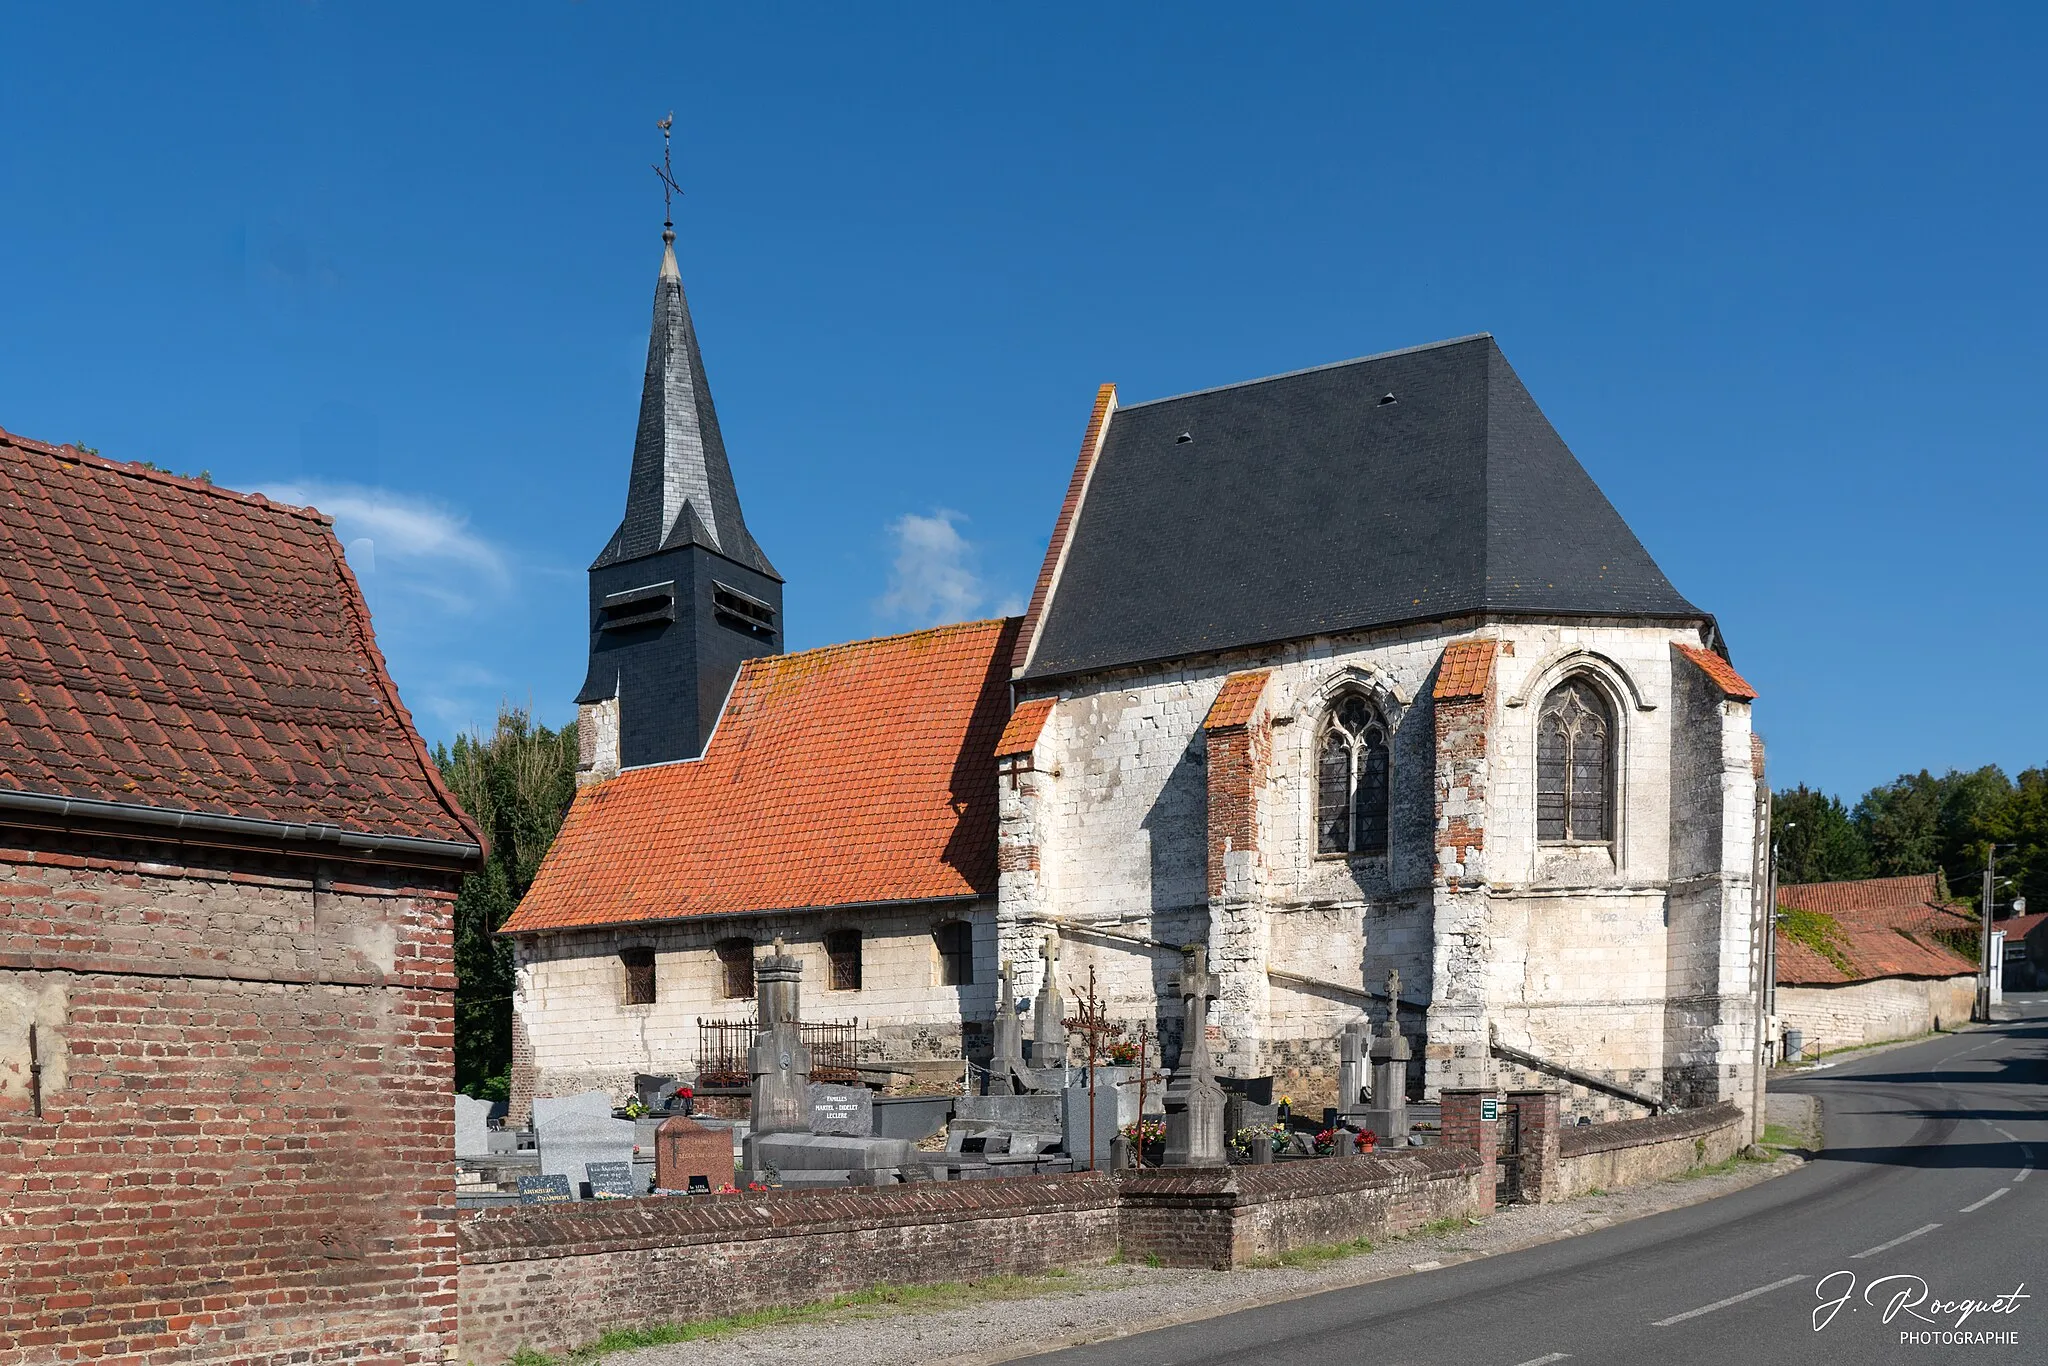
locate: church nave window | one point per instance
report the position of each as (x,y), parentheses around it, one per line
(736,956)
(842,952)
(1351,779)
(956,953)
(639,965)
(1574,766)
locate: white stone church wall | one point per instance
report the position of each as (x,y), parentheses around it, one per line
(571,991)
(1574,959)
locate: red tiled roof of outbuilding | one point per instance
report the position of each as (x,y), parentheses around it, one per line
(165,643)
(1020,735)
(1237,700)
(858,774)
(1882,927)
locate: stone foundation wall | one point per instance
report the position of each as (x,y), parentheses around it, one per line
(1634,1152)
(550,1277)
(1874,1012)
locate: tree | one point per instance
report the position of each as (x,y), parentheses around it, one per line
(2022,823)
(1900,824)
(1815,839)
(517,784)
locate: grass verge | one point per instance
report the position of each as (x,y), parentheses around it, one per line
(915,1298)
(1316,1254)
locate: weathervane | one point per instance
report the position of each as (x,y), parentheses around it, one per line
(669,188)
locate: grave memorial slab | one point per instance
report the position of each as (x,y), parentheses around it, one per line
(550,1189)
(472,1127)
(846,1110)
(611,1180)
(688,1156)
(570,1143)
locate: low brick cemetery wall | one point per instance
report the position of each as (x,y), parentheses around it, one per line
(1633,1152)
(553,1276)
(1224,1217)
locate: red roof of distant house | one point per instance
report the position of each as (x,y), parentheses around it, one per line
(859,774)
(1882,927)
(174,645)
(2019,926)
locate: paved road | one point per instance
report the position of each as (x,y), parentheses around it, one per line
(1928,1188)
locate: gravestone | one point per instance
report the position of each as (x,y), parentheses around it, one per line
(848,1110)
(1352,1046)
(472,1127)
(611,1180)
(597,1104)
(1007,1072)
(570,1143)
(1194,1102)
(1048,1019)
(687,1153)
(654,1092)
(1387,1116)
(552,1189)
(1074,1126)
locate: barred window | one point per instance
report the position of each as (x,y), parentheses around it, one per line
(737,955)
(639,964)
(1574,766)
(842,949)
(956,953)
(1351,779)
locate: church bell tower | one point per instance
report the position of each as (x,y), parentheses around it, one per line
(681,595)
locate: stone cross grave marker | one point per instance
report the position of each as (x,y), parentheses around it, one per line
(545,1190)
(1048,1027)
(1194,1102)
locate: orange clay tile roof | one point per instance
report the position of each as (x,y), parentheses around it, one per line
(1883,927)
(1721,672)
(1467,668)
(170,644)
(1234,704)
(853,775)
(1021,735)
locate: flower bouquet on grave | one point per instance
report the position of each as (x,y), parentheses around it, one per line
(1123,1052)
(1366,1141)
(1326,1142)
(1147,1137)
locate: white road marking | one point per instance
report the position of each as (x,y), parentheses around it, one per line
(1972,1209)
(1545,1361)
(2021,1175)
(2005,1133)
(1732,1299)
(1902,1238)
(1424,1266)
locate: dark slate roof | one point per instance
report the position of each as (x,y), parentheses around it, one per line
(680,491)
(1305,504)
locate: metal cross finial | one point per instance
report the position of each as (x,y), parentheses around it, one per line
(669,188)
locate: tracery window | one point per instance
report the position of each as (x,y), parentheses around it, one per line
(1351,779)
(737,957)
(1575,766)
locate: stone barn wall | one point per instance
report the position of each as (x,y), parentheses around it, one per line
(1876,1011)
(243,1151)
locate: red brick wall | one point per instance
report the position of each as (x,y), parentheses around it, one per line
(1226,1217)
(1539,1114)
(245,1147)
(1237,761)
(1463,699)
(1462,1127)
(549,1277)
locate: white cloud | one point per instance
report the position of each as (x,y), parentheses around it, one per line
(935,577)
(405,548)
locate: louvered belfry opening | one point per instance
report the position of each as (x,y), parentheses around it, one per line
(1574,766)
(1351,779)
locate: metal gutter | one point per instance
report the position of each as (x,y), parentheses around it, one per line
(89,814)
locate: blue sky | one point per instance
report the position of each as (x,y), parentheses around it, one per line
(1776,277)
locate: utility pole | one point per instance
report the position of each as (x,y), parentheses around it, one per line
(1984,933)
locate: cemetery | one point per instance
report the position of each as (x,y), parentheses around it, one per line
(647,1213)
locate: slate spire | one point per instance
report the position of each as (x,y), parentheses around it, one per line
(681,490)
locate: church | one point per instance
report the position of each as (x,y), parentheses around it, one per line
(1352,675)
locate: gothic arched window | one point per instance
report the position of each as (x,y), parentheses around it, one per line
(1575,766)
(1351,779)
